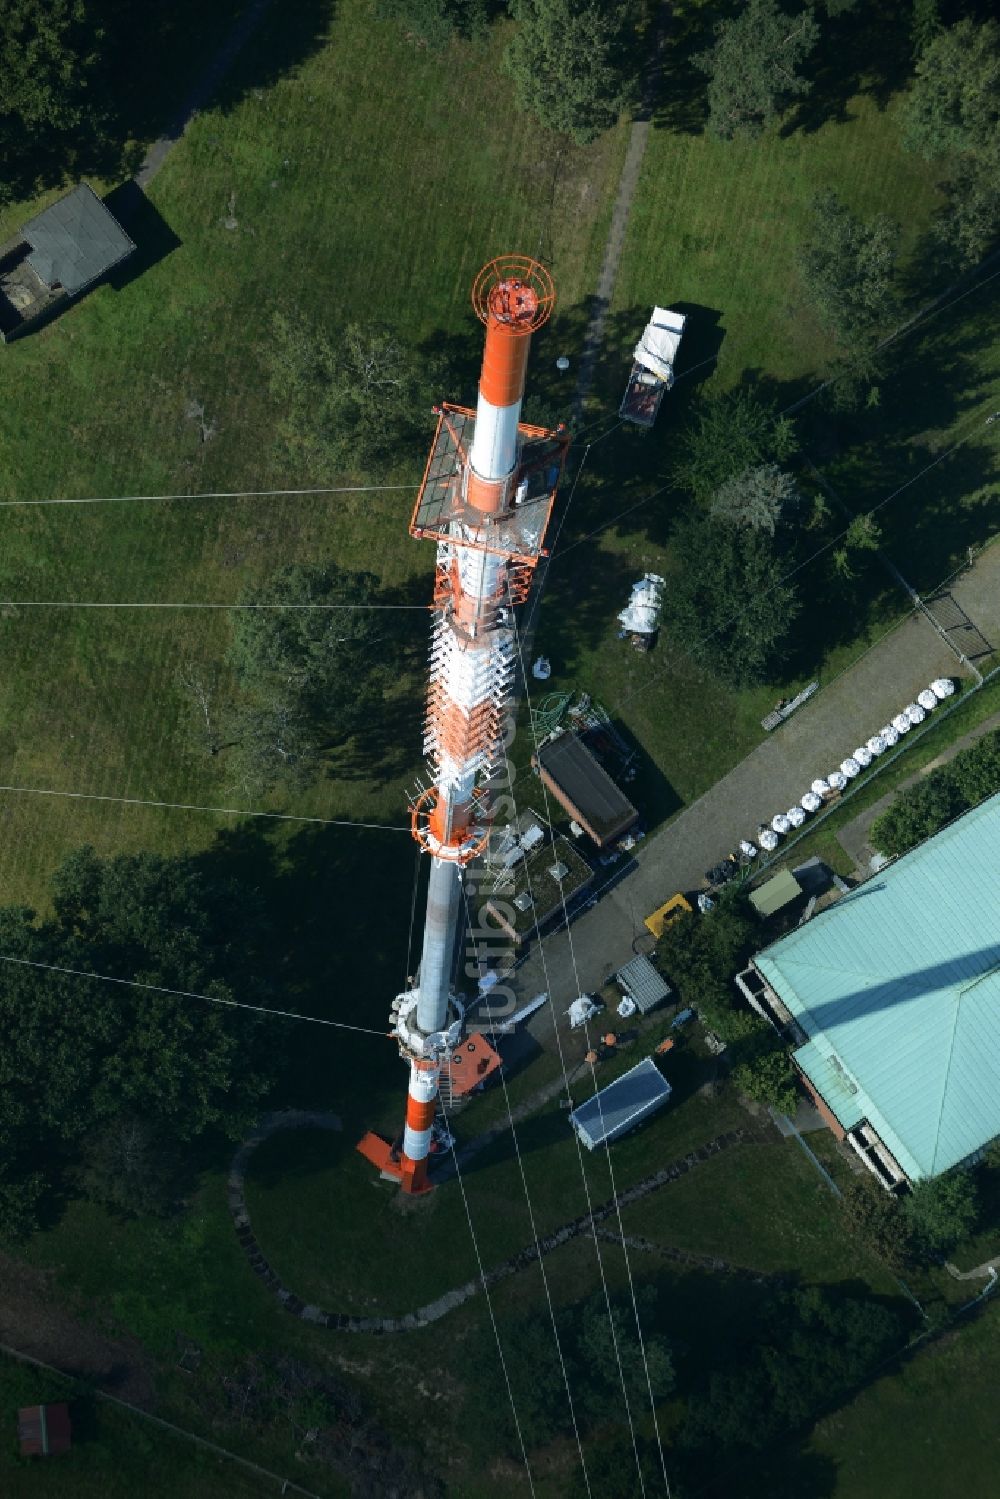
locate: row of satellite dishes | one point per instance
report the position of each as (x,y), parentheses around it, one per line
(824,787)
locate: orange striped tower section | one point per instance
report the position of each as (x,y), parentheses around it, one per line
(486,500)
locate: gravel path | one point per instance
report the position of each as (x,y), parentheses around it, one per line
(627,184)
(202,91)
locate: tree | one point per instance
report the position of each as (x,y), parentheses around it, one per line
(925,25)
(49,63)
(128,1167)
(862,535)
(975,771)
(273,743)
(953,116)
(759,498)
(917,813)
(855,379)
(591,1370)
(77,1053)
(809,1347)
(201,688)
(537,1383)
(726,604)
(612,1472)
(735,1411)
(879,1221)
(433,23)
(351,401)
(700,954)
(943,1211)
(968,223)
(571,63)
(644,1366)
(730,434)
(847,266)
(308,670)
(21,1193)
(763,1070)
(751,67)
(954,105)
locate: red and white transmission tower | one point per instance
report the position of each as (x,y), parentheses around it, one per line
(486,499)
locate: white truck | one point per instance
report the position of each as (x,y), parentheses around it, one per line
(652,367)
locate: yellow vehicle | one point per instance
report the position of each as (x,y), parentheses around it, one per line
(664,915)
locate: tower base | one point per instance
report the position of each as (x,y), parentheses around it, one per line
(392,1165)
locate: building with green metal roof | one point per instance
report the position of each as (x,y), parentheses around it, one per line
(893,998)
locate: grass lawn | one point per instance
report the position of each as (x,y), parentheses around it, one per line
(114,1455)
(336,1236)
(760,1207)
(925,1428)
(717,224)
(96,404)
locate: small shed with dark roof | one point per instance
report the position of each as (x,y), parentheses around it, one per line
(55,257)
(643,984)
(583,787)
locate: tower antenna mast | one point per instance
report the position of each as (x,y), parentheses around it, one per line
(486,500)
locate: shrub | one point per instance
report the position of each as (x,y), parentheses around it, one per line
(880,1221)
(943,1211)
(763,1069)
(925,808)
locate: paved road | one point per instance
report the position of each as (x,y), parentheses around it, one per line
(769,780)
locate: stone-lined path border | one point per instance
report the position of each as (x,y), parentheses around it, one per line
(434,1310)
(690,1259)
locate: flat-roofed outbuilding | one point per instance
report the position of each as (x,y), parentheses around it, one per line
(776,893)
(622,1105)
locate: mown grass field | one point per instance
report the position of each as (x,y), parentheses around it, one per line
(296,1181)
(347,1242)
(376,202)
